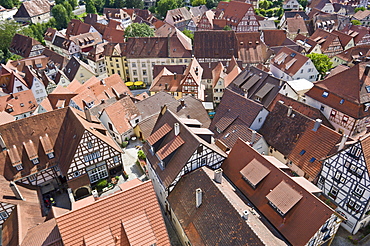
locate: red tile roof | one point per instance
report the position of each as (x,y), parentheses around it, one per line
(170,147)
(305,218)
(158,134)
(123,217)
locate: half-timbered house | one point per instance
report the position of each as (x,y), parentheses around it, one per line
(345,180)
(176,147)
(60,146)
(344,99)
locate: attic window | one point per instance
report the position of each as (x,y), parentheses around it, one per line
(313,159)
(302,152)
(19,167)
(22,105)
(325,94)
(341,101)
(367,88)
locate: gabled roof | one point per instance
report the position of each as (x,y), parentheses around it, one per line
(253,82)
(274,37)
(361,15)
(357,32)
(76,27)
(88,39)
(343,38)
(18,103)
(352,88)
(33,8)
(305,213)
(234,11)
(296,25)
(153,104)
(289,61)
(324,38)
(121,113)
(220,44)
(216,221)
(73,66)
(22,45)
(353,53)
(251,49)
(128,217)
(234,106)
(181,148)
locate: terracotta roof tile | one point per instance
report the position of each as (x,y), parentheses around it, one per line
(158,134)
(254,172)
(117,214)
(304,218)
(30,149)
(46,144)
(170,147)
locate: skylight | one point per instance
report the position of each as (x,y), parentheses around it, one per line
(325,94)
(368,88)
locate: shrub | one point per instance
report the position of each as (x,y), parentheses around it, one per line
(125,175)
(101,184)
(117,177)
(124,144)
(141,155)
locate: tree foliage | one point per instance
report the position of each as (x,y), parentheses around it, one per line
(90,7)
(360,9)
(303,3)
(265,4)
(164,5)
(322,62)
(139,30)
(356,22)
(119,4)
(9,4)
(188,33)
(73,3)
(198,2)
(61,16)
(137,4)
(227,28)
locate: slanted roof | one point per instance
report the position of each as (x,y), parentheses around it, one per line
(220,44)
(216,221)
(33,8)
(158,134)
(361,15)
(284,197)
(123,217)
(254,172)
(289,61)
(304,215)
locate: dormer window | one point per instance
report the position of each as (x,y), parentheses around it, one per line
(51,155)
(367,105)
(19,167)
(35,161)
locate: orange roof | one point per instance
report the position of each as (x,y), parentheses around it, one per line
(160,133)
(122,219)
(170,147)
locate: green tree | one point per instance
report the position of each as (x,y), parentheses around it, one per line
(7,31)
(8,4)
(211,3)
(139,30)
(322,62)
(265,4)
(135,4)
(99,5)
(198,2)
(360,8)
(188,34)
(69,9)
(164,5)
(119,4)
(356,22)
(73,3)
(227,28)
(303,3)
(90,7)
(279,12)
(61,16)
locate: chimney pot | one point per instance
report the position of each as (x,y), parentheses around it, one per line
(218,175)
(290,110)
(95,194)
(245,214)
(253,137)
(343,142)
(317,125)
(198,197)
(177,129)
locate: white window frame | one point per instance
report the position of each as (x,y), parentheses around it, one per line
(97,172)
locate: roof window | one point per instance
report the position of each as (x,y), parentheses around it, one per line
(302,152)
(325,94)
(313,159)
(367,88)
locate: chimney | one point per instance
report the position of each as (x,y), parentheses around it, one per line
(95,194)
(182,103)
(16,191)
(102,101)
(177,129)
(317,125)
(174,76)
(166,86)
(290,110)
(343,142)
(253,136)
(87,114)
(367,69)
(70,195)
(245,214)
(218,176)
(198,197)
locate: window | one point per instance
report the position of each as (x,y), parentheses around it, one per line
(313,159)
(345,118)
(325,94)
(143,65)
(301,70)
(19,88)
(359,191)
(355,152)
(51,155)
(368,89)
(341,101)
(115,159)
(359,172)
(35,161)
(322,108)
(144,72)
(97,172)
(333,112)
(117,65)
(310,70)
(92,156)
(302,152)
(278,210)
(110,126)
(347,164)
(89,145)
(134,72)
(133,64)
(32,177)
(76,174)
(322,180)
(19,167)
(333,192)
(339,177)
(4,215)
(351,204)
(203,161)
